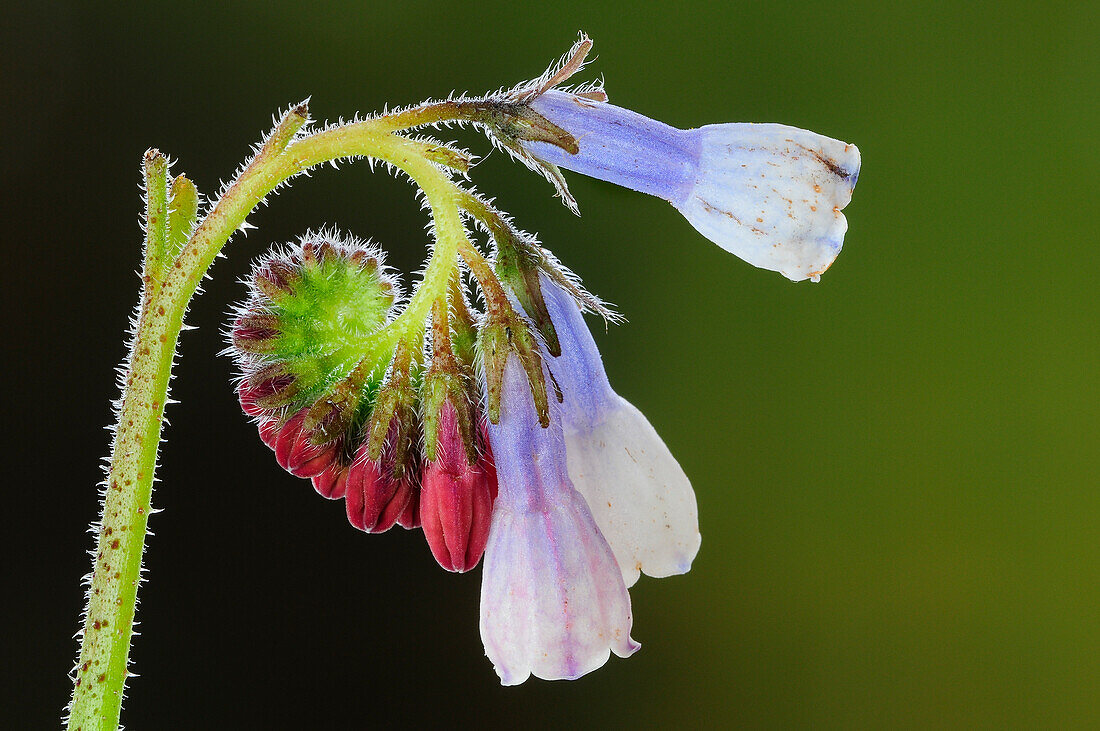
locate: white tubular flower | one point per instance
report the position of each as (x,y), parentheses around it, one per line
(640,497)
(772,195)
(769,193)
(553,602)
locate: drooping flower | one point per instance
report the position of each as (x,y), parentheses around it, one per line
(640,497)
(564,486)
(553,601)
(769,193)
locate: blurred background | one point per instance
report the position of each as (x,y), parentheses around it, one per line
(896,469)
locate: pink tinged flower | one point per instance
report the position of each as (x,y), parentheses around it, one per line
(456,499)
(769,193)
(553,601)
(638,494)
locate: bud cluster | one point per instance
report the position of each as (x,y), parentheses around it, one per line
(362,418)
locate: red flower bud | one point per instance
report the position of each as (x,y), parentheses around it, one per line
(293,449)
(299,456)
(410,517)
(247,396)
(374,499)
(456,499)
(379,493)
(333,482)
(269,432)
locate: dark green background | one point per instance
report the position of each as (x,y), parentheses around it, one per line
(896,468)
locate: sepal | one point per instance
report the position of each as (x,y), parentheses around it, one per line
(518,268)
(393,421)
(504,334)
(444,390)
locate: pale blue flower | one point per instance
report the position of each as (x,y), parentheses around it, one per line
(769,193)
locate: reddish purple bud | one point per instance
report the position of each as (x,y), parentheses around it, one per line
(410,517)
(296,454)
(293,449)
(333,482)
(374,498)
(269,432)
(378,493)
(271,387)
(455,511)
(247,396)
(256,333)
(276,278)
(456,499)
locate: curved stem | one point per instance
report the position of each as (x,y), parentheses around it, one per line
(101,669)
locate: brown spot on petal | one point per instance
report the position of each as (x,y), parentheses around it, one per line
(830,165)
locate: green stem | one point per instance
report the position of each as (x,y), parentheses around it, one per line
(169,285)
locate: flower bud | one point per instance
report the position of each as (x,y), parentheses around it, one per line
(272,387)
(294,450)
(333,482)
(456,498)
(297,454)
(410,516)
(247,397)
(378,492)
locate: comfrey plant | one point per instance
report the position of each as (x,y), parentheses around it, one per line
(487,421)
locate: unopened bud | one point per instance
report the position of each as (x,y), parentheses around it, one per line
(375,498)
(273,386)
(456,499)
(332,483)
(297,454)
(256,333)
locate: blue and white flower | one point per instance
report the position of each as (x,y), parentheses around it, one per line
(769,193)
(640,497)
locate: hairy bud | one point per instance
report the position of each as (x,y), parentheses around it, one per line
(456,498)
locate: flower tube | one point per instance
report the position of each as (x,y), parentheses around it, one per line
(553,601)
(769,193)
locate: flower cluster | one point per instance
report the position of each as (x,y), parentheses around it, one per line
(497,431)
(568,502)
(346,411)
